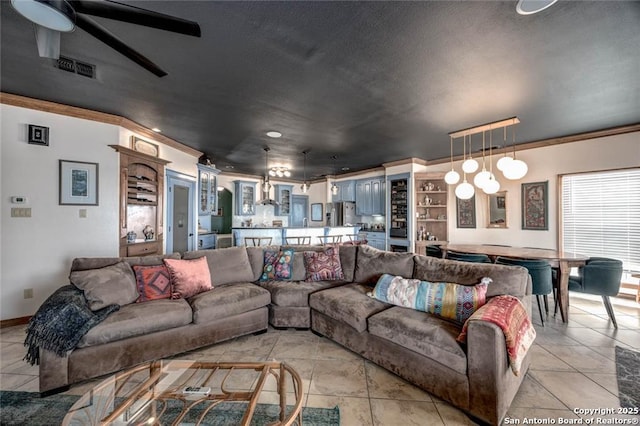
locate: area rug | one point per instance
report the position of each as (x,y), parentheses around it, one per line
(27,408)
(628,374)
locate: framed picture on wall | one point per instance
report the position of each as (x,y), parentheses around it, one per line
(78,183)
(466,212)
(535,206)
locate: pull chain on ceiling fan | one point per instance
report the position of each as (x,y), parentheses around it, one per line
(51,17)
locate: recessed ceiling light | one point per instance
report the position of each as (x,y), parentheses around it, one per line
(155,129)
(529,7)
(274,134)
(229,167)
(344,169)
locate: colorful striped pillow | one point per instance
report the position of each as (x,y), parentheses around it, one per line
(448,300)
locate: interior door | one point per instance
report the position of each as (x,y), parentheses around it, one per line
(299,210)
(181,232)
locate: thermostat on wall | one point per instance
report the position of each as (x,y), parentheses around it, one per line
(18,199)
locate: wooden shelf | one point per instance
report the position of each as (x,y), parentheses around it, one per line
(430,193)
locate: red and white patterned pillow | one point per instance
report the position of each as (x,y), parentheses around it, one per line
(323,265)
(153,282)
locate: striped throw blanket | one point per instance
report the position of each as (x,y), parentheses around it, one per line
(508,313)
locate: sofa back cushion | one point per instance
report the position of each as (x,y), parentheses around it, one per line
(227,265)
(113,284)
(371,263)
(256,259)
(84,263)
(506,279)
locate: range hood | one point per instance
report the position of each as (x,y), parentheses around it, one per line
(266,201)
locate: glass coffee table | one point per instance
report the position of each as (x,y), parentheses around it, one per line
(179,392)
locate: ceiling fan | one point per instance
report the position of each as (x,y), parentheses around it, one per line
(51,17)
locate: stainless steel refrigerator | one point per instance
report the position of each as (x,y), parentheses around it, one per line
(341,214)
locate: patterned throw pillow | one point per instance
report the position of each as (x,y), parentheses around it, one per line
(154,282)
(189,277)
(447,300)
(323,265)
(278,265)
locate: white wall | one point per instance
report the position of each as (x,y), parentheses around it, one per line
(37,252)
(612,152)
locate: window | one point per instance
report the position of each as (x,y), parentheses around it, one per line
(601,215)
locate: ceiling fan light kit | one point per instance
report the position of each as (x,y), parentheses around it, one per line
(55,15)
(511,167)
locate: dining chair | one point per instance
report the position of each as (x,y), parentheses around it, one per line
(468,257)
(600,276)
(257,241)
(298,241)
(541,278)
(330,239)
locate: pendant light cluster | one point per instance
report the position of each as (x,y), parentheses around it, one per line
(511,167)
(305,186)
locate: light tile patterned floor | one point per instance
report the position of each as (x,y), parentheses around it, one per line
(573,367)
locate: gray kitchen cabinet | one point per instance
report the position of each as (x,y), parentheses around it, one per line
(207,190)
(245,198)
(370,196)
(283,197)
(346,191)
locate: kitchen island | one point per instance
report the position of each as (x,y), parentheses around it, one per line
(279,234)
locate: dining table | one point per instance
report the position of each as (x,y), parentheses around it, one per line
(560,259)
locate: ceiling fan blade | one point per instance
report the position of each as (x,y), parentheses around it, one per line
(114,42)
(48,42)
(135,15)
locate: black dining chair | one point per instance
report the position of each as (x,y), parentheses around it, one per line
(600,276)
(468,257)
(541,278)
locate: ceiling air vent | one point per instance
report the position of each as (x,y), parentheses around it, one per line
(77,67)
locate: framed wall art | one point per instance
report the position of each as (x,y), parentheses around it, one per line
(535,206)
(78,183)
(144,147)
(316,211)
(466,212)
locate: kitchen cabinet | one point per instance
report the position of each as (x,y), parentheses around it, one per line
(431,209)
(207,190)
(376,239)
(370,196)
(141,203)
(346,191)
(245,198)
(283,197)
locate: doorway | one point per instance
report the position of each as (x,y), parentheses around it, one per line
(299,210)
(181,233)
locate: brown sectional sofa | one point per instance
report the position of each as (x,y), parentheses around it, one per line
(415,345)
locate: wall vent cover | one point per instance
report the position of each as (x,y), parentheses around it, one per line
(77,67)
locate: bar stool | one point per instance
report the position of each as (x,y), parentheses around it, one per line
(298,241)
(330,239)
(468,257)
(257,241)
(356,239)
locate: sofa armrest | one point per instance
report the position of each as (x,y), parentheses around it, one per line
(54,372)
(492,384)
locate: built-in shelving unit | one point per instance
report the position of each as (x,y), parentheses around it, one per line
(431,215)
(141,202)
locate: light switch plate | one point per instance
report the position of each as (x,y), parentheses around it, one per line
(82,213)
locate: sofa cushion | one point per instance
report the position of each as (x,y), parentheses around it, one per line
(348,304)
(153,282)
(278,265)
(505,279)
(137,319)
(447,300)
(227,300)
(371,263)
(84,263)
(256,260)
(323,265)
(189,277)
(423,333)
(348,255)
(296,293)
(106,286)
(227,265)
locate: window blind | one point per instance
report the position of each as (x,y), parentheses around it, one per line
(601,215)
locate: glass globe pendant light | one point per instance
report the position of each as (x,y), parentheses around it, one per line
(470,165)
(452,177)
(304,187)
(481,179)
(503,163)
(516,169)
(492,185)
(465,190)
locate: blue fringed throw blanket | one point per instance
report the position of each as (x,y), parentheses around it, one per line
(61,322)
